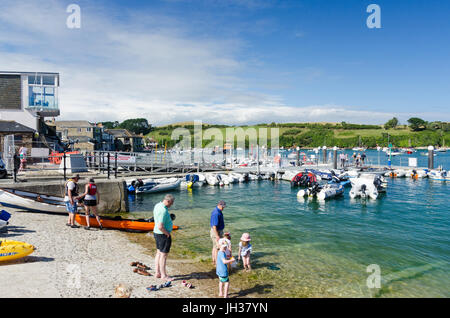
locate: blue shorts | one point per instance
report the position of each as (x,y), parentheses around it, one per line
(224,279)
(71,208)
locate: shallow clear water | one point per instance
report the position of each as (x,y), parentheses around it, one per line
(307,248)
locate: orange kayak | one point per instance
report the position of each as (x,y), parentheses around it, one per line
(118,223)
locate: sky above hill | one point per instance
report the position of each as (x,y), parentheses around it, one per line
(236,61)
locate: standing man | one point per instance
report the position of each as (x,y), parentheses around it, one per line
(163,227)
(70,194)
(217,225)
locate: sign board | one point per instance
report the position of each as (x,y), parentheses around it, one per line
(39,152)
(123,159)
(412,162)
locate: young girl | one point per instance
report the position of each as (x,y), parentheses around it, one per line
(245,249)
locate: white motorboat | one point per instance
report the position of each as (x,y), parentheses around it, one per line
(156,185)
(441,175)
(397,173)
(196,180)
(328,191)
(364,188)
(238,176)
(417,173)
(212,179)
(31,201)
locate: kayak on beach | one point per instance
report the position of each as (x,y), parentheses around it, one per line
(11,250)
(119,223)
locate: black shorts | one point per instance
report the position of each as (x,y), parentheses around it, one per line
(163,243)
(90,202)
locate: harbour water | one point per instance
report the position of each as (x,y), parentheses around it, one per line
(311,249)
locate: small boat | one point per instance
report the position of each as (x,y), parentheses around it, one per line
(11,250)
(417,174)
(120,224)
(324,175)
(304,179)
(3,224)
(328,191)
(193,180)
(364,188)
(440,175)
(31,201)
(397,173)
(155,185)
(212,179)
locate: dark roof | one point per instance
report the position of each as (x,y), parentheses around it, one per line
(13,127)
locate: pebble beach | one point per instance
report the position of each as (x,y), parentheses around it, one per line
(78,263)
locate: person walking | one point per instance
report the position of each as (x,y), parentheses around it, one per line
(91,200)
(70,195)
(217,225)
(161,232)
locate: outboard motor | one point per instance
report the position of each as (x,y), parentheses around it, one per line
(246,177)
(363,191)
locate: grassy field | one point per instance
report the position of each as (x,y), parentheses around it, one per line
(318,135)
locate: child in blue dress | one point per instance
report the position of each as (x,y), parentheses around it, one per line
(222,269)
(245,249)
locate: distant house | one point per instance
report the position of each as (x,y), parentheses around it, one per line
(126,141)
(23,135)
(80,134)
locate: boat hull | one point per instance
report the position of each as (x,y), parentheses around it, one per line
(29,201)
(11,250)
(120,224)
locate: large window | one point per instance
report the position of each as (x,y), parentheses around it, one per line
(42,91)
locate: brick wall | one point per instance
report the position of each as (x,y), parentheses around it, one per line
(10,92)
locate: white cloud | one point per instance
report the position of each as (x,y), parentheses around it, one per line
(131,64)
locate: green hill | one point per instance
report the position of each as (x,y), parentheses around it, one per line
(343,135)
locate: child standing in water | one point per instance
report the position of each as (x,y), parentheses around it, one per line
(245,249)
(222,270)
(226,239)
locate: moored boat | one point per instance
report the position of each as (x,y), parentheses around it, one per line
(11,250)
(31,201)
(120,223)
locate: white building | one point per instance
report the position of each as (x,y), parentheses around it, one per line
(27,98)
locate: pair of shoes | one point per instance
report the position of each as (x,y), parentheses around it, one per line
(87,227)
(101,227)
(152,288)
(141,271)
(186,284)
(140,265)
(74,226)
(67,224)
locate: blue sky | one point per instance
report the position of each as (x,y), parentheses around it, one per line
(237,61)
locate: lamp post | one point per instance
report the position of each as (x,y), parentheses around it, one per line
(335,157)
(378,149)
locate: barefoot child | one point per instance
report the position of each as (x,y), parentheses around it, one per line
(226,239)
(245,249)
(222,270)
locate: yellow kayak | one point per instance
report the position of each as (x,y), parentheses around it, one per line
(10,250)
